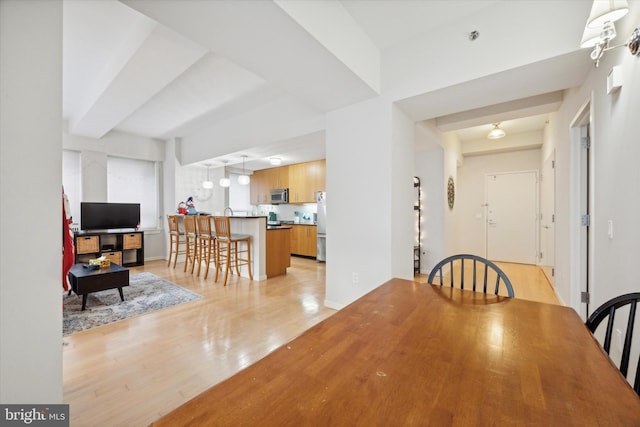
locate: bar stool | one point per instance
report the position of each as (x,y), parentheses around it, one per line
(227,251)
(191,242)
(206,243)
(176,239)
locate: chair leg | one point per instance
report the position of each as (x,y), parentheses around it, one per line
(195,255)
(187,253)
(249,259)
(227,262)
(235,257)
(200,257)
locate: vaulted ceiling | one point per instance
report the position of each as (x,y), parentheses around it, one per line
(256,77)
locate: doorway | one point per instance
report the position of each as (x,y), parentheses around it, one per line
(581,208)
(511,228)
(547,217)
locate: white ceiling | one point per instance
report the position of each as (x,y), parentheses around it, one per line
(255,77)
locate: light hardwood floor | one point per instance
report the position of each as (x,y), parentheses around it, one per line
(132,372)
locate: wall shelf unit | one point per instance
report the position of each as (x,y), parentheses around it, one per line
(417,208)
(125,248)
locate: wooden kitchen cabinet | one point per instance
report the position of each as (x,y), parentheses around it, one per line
(278,177)
(259,191)
(278,249)
(304,240)
(305,179)
(302,179)
(264,180)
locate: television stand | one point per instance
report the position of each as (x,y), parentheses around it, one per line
(122,247)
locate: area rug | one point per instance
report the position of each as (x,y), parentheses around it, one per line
(146,292)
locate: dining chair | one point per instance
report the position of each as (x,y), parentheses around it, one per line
(608,310)
(227,248)
(176,239)
(457,273)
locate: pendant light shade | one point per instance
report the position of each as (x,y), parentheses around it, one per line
(208,184)
(496,132)
(606,11)
(224,182)
(244,178)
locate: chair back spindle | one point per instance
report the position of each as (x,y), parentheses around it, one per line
(608,311)
(454,260)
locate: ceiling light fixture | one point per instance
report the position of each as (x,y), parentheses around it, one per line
(275,161)
(600,30)
(224,182)
(496,132)
(207,184)
(244,178)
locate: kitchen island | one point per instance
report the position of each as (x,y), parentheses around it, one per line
(270,246)
(278,250)
(256,227)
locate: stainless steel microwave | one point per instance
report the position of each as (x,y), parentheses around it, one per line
(279,196)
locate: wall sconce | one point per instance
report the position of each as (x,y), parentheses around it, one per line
(600,29)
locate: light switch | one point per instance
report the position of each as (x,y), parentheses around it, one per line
(614,79)
(610,229)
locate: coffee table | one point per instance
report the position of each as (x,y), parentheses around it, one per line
(84,281)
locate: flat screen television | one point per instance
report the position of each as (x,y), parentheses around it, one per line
(109,216)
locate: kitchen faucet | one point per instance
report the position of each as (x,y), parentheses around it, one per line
(230,210)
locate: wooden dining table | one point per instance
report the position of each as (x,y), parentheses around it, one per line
(415,354)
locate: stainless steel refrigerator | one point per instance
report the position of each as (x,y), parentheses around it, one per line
(321,253)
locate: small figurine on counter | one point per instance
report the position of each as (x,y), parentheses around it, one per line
(191,208)
(182,208)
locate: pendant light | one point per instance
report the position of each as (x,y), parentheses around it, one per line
(224,182)
(244,178)
(496,132)
(208,184)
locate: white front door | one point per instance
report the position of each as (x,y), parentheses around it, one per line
(512,217)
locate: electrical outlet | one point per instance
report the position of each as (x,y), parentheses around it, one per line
(354,277)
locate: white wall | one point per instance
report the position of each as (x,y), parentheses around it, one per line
(616,150)
(429,167)
(471,195)
(362,171)
(452,160)
(402,223)
(31,176)
(93,157)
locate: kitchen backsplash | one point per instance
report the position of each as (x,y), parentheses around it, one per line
(288,212)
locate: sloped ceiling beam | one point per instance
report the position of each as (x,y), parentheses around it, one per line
(134,85)
(260,37)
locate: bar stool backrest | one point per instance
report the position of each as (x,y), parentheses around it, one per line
(223,227)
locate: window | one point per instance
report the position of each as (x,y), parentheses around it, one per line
(134,181)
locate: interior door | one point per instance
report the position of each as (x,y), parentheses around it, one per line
(547,218)
(512,217)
